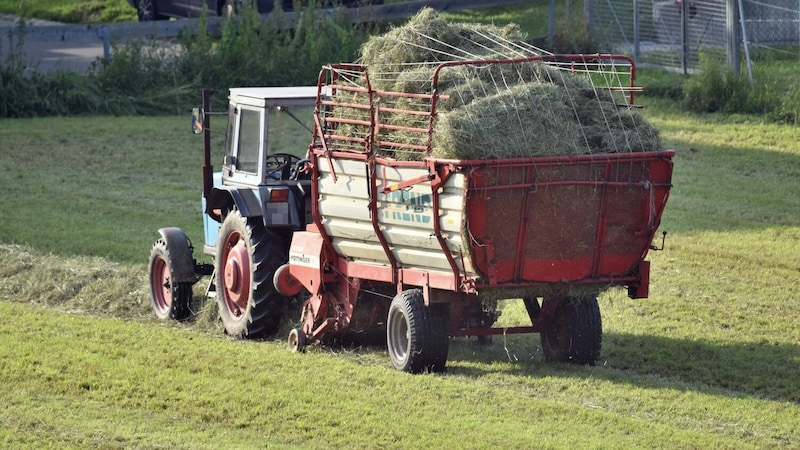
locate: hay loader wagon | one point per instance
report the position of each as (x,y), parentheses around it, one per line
(377,235)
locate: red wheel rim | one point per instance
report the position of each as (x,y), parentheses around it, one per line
(236,274)
(161,288)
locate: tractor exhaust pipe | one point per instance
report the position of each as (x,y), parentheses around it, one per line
(208,169)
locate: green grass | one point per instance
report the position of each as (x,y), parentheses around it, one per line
(95,186)
(710,360)
(71,11)
(139,385)
(531,16)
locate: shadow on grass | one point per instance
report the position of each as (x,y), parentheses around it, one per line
(761,370)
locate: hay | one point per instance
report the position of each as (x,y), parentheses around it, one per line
(88,285)
(429,38)
(491,110)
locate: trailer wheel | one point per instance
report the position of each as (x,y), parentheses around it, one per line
(438,321)
(575,334)
(246,260)
(297,340)
(407,332)
(170,299)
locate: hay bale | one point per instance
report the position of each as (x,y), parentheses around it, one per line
(493,110)
(429,38)
(480,129)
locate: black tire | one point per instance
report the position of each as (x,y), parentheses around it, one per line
(170,300)
(576,333)
(246,260)
(147,10)
(407,332)
(416,335)
(297,340)
(438,321)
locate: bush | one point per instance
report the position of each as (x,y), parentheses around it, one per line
(719,89)
(153,78)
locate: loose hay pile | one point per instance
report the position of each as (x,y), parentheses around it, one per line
(491,110)
(87,285)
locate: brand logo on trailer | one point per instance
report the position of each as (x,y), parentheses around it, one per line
(303,260)
(406,206)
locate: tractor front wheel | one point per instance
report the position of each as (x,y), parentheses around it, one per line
(247,256)
(170,299)
(575,333)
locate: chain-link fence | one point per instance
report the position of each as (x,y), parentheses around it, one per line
(672,34)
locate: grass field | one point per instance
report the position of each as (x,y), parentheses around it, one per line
(711,360)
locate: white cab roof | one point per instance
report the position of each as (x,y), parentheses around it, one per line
(274,96)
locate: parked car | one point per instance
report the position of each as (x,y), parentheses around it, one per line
(148,10)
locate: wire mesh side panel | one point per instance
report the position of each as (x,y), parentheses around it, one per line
(656,35)
(672,34)
(772,27)
(488,109)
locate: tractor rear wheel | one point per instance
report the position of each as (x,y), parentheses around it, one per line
(575,334)
(170,299)
(247,256)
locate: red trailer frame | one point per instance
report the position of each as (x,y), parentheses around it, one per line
(536,225)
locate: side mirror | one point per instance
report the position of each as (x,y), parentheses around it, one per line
(197,120)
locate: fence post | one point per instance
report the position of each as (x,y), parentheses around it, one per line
(685,37)
(732,35)
(636,31)
(551,19)
(106,33)
(588,16)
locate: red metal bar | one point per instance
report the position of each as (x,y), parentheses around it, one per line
(406,183)
(365,123)
(538,184)
(523,230)
(560,160)
(494,331)
(373,212)
(438,181)
(400,146)
(410,112)
(601,223)
(345,104)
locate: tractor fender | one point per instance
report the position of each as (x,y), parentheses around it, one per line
(224,198)
(180,254)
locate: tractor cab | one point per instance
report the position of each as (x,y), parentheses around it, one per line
(268,133)
(266,141)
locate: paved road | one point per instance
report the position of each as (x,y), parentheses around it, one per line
(50,54)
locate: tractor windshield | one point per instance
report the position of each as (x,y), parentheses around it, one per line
(289,130)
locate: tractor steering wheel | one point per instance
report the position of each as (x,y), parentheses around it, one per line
(279,165)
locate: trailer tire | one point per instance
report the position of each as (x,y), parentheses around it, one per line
(438,321)
(247,256)
(408,332)
(170,299)
(575,333)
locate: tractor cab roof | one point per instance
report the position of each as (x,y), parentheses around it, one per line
(274,96)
